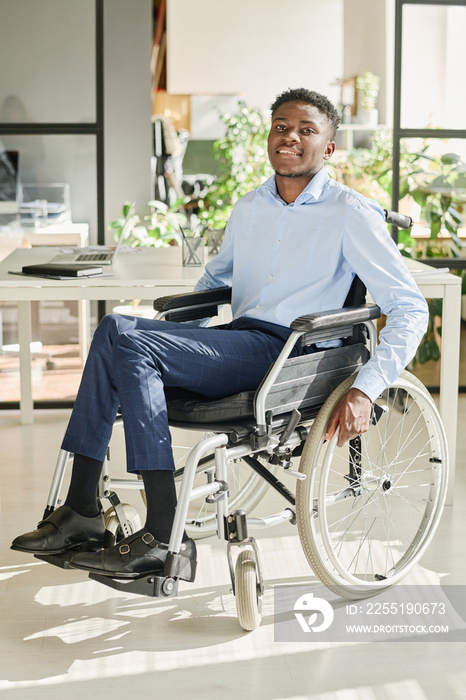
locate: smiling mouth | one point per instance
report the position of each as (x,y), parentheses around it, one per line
(285,152)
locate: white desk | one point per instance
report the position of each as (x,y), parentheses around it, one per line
(65,234)
(150,273)
(143,274)
(442,285)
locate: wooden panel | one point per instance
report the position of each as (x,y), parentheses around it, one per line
(176,107)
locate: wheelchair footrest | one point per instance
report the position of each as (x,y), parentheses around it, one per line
(154,586)
(60,560)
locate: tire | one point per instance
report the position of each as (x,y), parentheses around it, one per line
(113,526)
(248,604)
(362,536)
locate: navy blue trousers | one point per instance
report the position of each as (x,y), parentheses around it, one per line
(132,359)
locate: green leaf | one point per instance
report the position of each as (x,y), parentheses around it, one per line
(179,203)
(420,197)
(450,158)
(117,224)
(422,351)
(435,227)
(445,202)
(404,188)
(435,307)
(434,349)
(432,212)
(126,208)
(159,206)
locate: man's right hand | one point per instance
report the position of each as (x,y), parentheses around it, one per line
(351,414)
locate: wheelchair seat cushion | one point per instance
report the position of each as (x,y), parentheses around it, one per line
(303,382)
(188,407)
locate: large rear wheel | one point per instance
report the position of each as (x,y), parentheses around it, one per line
(367,511)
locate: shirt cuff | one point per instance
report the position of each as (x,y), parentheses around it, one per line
(370,384)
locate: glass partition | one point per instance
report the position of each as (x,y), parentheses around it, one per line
(54,159)
(433,193)
(47,54)
(433,89)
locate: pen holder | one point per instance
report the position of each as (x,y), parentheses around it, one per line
(193,251)
(215,240)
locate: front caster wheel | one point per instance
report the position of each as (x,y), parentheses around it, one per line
(112,523)
(248,602)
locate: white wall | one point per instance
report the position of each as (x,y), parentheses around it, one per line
(255,48)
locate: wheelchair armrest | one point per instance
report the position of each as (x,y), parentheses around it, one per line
(335,319)
(192,305)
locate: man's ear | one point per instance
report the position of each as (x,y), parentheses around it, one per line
(330,150)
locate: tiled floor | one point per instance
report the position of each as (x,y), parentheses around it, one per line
(65,636)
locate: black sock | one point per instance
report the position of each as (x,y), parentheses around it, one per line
(82,492)
(161,503)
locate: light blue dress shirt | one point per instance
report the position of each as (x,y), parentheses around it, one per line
(286,260)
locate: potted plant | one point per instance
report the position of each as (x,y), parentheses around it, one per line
(160,228)
(242,153)
(367,86)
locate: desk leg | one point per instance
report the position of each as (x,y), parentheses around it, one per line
(84,314)
(24,337)
(449,374)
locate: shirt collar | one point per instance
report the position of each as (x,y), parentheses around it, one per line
(311,193)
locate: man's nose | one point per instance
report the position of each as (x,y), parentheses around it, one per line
(291,136)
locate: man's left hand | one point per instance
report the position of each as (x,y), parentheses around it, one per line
(351,414)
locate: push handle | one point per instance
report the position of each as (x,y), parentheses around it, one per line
(400,220)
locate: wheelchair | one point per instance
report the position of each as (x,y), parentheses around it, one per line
(365,512)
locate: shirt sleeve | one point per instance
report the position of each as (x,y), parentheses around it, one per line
(374,257)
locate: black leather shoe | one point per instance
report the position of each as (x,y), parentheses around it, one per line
(63,530)
(138,555)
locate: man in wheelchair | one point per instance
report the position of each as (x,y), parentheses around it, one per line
(291,247)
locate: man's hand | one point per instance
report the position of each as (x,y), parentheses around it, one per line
(352,414)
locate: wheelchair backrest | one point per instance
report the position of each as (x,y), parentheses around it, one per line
(355,297)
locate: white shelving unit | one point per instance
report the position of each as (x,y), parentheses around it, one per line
(346,133)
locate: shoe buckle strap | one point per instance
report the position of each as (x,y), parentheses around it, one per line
(147,538)
(124,549)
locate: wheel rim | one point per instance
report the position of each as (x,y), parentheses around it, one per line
(371,531)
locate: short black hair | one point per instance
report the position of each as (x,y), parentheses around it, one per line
(322,103)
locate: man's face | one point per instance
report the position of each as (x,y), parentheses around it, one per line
(299,140)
